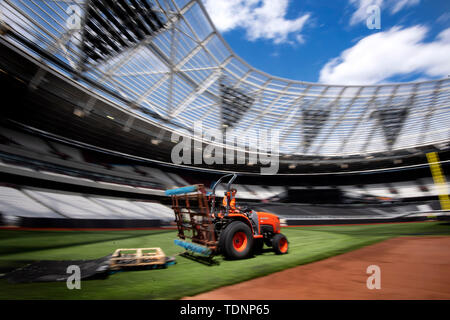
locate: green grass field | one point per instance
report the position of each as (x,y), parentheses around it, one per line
(186,277)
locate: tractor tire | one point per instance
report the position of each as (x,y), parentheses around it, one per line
(236,241)
(280,244)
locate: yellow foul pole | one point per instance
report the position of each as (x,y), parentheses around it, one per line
(439,180)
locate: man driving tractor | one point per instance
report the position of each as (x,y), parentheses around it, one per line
(233,209)
(232,195)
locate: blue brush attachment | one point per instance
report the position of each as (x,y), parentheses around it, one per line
(182,190)
(193,247)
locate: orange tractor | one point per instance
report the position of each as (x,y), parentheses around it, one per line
(213,228)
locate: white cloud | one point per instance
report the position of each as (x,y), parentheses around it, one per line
(444,18)
(394,6)
(380,56)
(261,19)
(400,4)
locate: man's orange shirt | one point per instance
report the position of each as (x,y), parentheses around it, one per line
(232,203)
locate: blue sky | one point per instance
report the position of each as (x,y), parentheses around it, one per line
(329,41)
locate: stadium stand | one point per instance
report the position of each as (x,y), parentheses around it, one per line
(123,168)
(145,177)
(71,206)
(403,190)
(260,191)
(177,179)
(20,167)
(134,209)
(32,203)
(68,161)
(51,204)
(158,210)
(72,153)
(27,141)
(243,192)
(160,176)
(65,176)
(46,154)
(14,202)
(293,214)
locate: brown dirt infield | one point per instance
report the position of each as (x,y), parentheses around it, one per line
(411,268)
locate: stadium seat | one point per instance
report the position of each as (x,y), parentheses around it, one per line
(123,168)
(178,179)
(126,209)
(14,202)
(159,176)
(158,210)
(73,153)
(72,205)
(407,189)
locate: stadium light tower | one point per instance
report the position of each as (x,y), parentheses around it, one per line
(109,27)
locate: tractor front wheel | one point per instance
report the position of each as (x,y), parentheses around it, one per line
(236,241)
(280,243)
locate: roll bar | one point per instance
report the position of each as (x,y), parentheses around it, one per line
(213,204)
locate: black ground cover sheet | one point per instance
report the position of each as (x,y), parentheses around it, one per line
(49,270)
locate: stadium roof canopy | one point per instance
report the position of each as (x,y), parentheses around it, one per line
(165,61)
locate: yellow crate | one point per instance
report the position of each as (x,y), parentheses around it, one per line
(138,257)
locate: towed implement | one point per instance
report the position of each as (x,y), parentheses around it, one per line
(210,228)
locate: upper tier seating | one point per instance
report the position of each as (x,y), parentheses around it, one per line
(27,141)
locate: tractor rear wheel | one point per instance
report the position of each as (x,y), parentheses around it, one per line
(236,241)
(280,243)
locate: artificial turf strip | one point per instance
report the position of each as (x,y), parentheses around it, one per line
(186,277)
